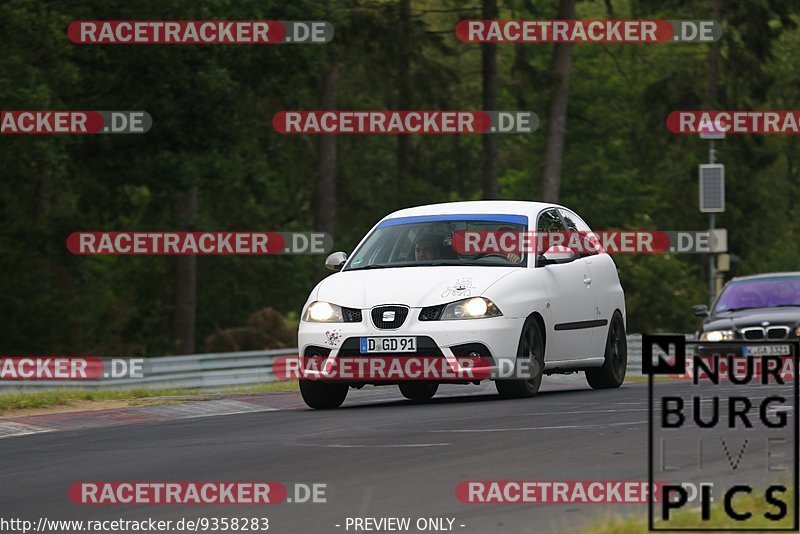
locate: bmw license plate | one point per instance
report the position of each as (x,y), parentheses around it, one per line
(388,344)
(766,350)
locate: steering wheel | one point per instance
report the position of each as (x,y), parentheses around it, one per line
(494,254)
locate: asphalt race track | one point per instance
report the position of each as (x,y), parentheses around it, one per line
(379,455)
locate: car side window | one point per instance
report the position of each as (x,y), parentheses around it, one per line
(549,221)
(576,224)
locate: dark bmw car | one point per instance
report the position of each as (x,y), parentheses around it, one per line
(764,307)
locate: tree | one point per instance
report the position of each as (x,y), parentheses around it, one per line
(557,122)
(404,89)
(186,278)
(491,164)
(324,204)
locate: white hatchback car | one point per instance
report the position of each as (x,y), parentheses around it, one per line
(552,311)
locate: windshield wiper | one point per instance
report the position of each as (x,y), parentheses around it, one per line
(375,266)
(415,264)
(435,263)
(761,307)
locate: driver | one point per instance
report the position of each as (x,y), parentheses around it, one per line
(427,248)
(512,257)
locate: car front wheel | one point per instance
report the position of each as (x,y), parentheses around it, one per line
(418,391)
(530,358)
(322,395)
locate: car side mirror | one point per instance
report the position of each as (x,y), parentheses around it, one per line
(700,310)
(336,261)
(556,255)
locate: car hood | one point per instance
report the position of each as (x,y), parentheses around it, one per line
(744,318)
(412,286)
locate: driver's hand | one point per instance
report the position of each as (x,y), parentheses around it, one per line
(513,257)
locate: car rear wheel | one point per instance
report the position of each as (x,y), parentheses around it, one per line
(530,358)
(418,391)
(612,373)
(322,395)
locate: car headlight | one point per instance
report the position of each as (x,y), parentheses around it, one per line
(717,335)
(323,312)
(473,308)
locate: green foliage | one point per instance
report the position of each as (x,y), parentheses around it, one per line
(212,108)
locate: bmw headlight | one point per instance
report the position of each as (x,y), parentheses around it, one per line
(717,335)
(323,312)
(472,308)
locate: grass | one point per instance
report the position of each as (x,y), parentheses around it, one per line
(64,397)
(690,518)
(642,379)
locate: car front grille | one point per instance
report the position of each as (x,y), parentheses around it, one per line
(389,317)
(351,315)
(431,313)
(319,352)
(773,332)
(777,332)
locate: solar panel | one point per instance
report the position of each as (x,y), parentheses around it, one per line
(712,188)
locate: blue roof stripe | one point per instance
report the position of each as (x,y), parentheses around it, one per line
(489,217)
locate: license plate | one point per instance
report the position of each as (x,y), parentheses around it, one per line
(388,344)
(766,350)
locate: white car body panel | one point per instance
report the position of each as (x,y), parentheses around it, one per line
(412,286)
(575,300)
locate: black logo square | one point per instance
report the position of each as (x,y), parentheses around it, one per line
(663,366)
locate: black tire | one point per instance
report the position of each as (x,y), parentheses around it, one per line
(612,373)
(418,391)
(530,351)
(322,395)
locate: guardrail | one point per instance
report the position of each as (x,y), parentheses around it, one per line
(214,371)
(194,371)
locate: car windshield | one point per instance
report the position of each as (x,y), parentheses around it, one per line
(428,241)
(762,293)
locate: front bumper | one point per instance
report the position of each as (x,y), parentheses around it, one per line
(500,335)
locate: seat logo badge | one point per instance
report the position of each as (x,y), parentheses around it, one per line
(388,316)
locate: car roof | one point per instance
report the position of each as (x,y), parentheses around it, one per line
(764,275)
(506,207)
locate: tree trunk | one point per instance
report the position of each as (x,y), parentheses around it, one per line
(461,180)
(491,165)
(186,283)
(324,203)
(404,91)
(557,123)
(712,84)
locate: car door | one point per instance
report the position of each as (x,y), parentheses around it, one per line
(605,284)
(571,299)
